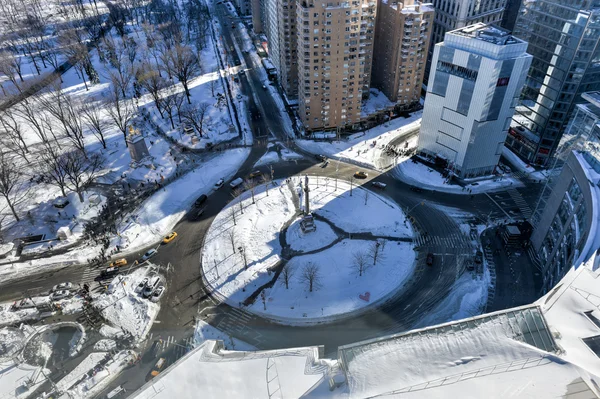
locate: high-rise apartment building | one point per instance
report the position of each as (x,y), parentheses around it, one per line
(402,37)
(280,28)
(335,51)
(511,11)
(244,7)
(454,14)
(474,87)
(258,15)
(564,40)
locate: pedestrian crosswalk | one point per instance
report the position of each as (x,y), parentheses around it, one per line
(180,346)
(520,202)
(454,240)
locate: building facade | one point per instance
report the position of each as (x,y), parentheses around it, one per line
(280,28)
(564,38)
(258,16)
(454,14)
(511,11)
(244,7)
(475,84)
(335,52)
(402,37)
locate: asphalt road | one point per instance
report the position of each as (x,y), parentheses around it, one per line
(186,298)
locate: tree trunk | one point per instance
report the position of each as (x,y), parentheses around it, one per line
(12,208)
(80,195)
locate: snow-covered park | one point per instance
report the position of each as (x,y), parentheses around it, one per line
(360,253)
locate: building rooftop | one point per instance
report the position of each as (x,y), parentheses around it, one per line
(487,33)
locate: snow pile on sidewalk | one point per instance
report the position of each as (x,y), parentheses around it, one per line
(13,375)
(421,175)
(269,158)
(205,332)
(365,148)
(71,305)
(339,288)
(378,216)
(159,213)
(126,309)
(80,370)
(110,331)
(11,341)
(256,231)
(93,385)
(8,316)
(105,345)
(305,242)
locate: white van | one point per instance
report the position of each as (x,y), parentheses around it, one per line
(236,183)
(115,392)
(153,283)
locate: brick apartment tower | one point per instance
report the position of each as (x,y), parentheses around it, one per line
(335,51)
(402,37)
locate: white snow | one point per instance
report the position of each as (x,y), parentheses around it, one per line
(105,345)
(71,305)
(110,332)
(340,289)
(11,341)
(158,215)
(377,102)
(421,175)
(269,158)
(80,370)
(8,316)
(281,373)
(127,310)
(19,380)
(516,162)
(379,216)
(300,241)
(365,148)
(205,332)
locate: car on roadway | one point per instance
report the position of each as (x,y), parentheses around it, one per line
(201,200)
(264,87)
(158,367)
(254,174)
(157,293)
(478,257)
(56,295)
(141,285)
(119,262)
(152,285)
(170,237)
(429,259)
(155,348)
(321,158)
(379,185)
(62,286)
(149,254)
(110,272)
(219,184)
(360,174)
(236,183)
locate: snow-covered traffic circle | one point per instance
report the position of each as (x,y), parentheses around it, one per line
(263,253)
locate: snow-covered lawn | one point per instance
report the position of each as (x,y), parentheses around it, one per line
(423,176)
(124,308)
(341,289)
(365,148)
(379,216)
(269,158)
(305,242)
(205,331)
(256,231)
(8,316)
(159,213)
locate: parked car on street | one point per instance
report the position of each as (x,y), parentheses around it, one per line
(119,262)
(170,237)
(379,185)
(360,174)
(62,286)
(429,259)
(158,367)
(201,200)
(254,174)
(219,184)
(236,183)
(56,295)
(141,285)
(149,254)
(157,293)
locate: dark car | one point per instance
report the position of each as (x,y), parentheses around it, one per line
(321,158)
(416,189)
(478,257)
(469,265)
(429,259)
(110,272)
(201,200)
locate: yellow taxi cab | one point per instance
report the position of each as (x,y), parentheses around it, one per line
(158,367)
(169,238)
(119,262)
(360,175)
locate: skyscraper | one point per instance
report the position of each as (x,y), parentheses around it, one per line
(475,84)
(564,38)
(335,47)
(402,36)
(454,14)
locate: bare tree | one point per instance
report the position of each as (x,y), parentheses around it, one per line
(168,104)
(63,109)
(360,262)
(12,135)
(366,196)
(53,167)
(91,113)
(74,48)
(81,170)
(196,116)
(185,66)
(250,185)
(12,183)
(237,193)
(267,181)
(232,210)
(39,121)
(121,111)
(287,273)
(310,276)
(10,66)
(376,251)
(150,80)
(244,255)
(214,82)
(232,238)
